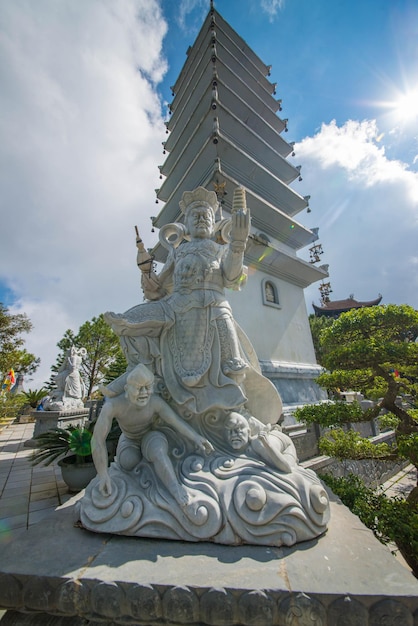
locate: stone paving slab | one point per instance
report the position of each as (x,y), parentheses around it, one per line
(57,568)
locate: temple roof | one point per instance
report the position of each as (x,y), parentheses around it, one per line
(336,307)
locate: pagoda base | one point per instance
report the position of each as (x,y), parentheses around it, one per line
(62,574)
(295,382)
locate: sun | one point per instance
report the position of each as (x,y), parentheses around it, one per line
(406,106)
(402,107)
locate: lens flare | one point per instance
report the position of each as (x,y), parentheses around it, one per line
(5,534)
(266,253)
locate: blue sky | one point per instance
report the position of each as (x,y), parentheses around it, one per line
(84,89)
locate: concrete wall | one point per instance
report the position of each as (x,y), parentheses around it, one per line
(277,333)
(281,336)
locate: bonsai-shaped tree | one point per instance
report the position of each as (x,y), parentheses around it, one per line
(374,350)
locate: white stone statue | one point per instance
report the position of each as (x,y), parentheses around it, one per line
(137,411)
(202,457)
(69,386)
(186,333)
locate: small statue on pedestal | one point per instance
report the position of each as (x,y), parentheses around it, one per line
(69,388)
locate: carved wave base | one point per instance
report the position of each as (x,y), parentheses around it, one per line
(57,573)
(232,500)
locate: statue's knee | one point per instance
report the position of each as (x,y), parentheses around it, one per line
(154,445)
(129,457)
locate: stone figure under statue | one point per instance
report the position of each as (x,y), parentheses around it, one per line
(201,455)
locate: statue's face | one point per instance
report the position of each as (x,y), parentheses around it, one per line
(199,222)
(237,431)
(138,393)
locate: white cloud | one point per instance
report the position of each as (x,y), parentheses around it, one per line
(50,320)
(191,13)
(272,7)
(366,208)
(81,132)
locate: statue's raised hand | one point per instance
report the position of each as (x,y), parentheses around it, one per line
(240,226)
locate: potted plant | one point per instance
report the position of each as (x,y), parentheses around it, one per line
(73,444)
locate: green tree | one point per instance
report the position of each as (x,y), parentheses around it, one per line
(102,346)
(318,324)
(373,350)
(12,353)
(116,368)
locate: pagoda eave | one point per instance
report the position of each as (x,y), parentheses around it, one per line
(205,74)
(263,257)
(281,265)
(221,125)
(183,124)
(264,216)
(235,163)
(215,22)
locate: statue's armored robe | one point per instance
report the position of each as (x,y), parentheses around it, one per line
(189,335)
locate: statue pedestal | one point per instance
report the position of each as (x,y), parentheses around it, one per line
(48,420)
(57,569)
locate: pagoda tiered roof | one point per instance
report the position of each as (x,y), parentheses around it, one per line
(224,129)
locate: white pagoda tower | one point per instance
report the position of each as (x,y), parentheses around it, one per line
(224,132)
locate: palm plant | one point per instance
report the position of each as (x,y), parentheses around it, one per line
(34,396)
(59,442)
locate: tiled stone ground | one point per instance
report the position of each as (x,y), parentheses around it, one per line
(27,493)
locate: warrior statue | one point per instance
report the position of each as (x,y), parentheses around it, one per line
(201,456)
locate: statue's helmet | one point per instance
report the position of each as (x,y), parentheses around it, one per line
(199,197)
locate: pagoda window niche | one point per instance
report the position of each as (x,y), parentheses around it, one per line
(270,294)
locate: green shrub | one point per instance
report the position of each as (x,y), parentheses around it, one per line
(330,414)
(11,406)
(390,519)
(350,445)
(388,421)
(408,447)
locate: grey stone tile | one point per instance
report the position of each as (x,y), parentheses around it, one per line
(44,486)
(37,516)
(47,503)
(19,487)
(14,506)
(12,483)
(20,474)
(14,521)
(43,495)
(39,479)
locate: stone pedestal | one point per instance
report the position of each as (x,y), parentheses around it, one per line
(48,420)
(346,576)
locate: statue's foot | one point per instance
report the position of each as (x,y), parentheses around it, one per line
(181,495)
(190,506)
